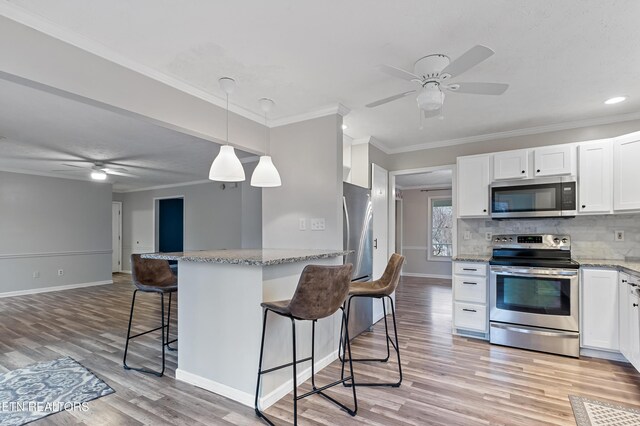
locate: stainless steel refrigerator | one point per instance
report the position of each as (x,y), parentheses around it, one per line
(358,236)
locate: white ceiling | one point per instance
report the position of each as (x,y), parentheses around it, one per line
(440,179)
(562,59)
(42,131)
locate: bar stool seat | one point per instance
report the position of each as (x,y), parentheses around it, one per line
(378,289)
(321,291)
(152,276)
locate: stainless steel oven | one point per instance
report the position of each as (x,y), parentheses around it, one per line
(541,197)
(534,294)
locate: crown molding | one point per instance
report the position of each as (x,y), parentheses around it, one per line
(360,141)
(425,187)
(338,109)
(567,125)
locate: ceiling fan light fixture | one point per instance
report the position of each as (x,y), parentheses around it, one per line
(98,175)
(615,100)
(430,98)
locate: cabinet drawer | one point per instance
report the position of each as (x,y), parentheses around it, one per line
(470,288)
(470,268)
(470,316)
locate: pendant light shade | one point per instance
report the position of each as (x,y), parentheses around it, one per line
(226,167)
(265,174)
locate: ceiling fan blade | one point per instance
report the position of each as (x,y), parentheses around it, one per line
(116,169)
(389,99)
(479,88)
(73,165)
(398,73)
(468,60)
(69,171)
(117,172)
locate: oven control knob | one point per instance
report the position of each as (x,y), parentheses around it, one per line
(497,240)
(556,240)
(504,240)
(565,240)
(510,239)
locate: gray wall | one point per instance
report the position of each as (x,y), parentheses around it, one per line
(48,224)
(592,237)
(415,225)
(308,155)
(214,218)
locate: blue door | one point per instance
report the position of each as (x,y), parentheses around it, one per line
(170,225)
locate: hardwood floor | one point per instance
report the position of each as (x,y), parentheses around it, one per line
(447,380)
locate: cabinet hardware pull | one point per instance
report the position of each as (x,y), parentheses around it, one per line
(624,281)
(469,269)
(538,171)
(634,305)
(484,210)
(584,207)
(523,171)
(633,285)
(473,310)
(375,243)
(467,282)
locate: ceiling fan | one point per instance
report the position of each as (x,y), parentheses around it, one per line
(99,170)
(433,73)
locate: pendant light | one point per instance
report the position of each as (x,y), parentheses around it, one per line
(226,167)
(265,174)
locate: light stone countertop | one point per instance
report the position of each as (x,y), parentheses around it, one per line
(255,257)
(472,258)
(631,267)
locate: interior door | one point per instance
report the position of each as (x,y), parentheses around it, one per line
(170,225)
(380,203)
(116,236)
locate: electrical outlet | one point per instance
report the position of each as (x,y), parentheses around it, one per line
(467,235)
(317,224)
(36,274)
(60,272)
(487,236)
(302,224)
(619,235)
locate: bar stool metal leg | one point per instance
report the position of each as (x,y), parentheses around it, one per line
(168,325)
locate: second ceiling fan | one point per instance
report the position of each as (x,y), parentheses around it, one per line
(433,73)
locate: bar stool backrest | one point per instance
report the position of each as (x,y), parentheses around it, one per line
(147,273)
(321,291)
(389,280)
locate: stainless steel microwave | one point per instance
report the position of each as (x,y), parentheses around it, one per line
(534,198)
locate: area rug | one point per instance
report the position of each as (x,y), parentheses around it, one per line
(591,412)
(42,389)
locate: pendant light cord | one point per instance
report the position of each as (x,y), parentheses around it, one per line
(267,139)
(227,118)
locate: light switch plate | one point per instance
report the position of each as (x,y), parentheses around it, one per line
(302,224)
(619,235)
(467,235)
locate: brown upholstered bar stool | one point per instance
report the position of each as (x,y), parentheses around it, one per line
(321,291)
(379,289)
(152,276)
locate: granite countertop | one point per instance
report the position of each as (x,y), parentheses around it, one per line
(256,257)
(632,267)
(472,258)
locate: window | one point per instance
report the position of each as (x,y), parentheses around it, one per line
(440,226)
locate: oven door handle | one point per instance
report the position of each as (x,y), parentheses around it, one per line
(529,272)
(571,334)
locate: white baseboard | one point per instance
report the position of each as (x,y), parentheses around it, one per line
(56,288)
(246,398)
(413,274)
(125,272)
(595,353)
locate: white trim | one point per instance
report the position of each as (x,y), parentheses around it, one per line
(338,109)
(52,254)
(415,274)
(595,353)
(125,272)
(172,185)
(246,398)
(518,132)
(360,141)
(425,187)
(55,288)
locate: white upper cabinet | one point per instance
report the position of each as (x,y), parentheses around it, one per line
(595,181)
(511,164)
(473,186)
(626,172)
(600,308)
(554,160)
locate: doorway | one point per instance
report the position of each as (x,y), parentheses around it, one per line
(169,228)
(116,236)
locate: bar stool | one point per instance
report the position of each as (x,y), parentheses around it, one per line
(152,276)
(379,289)
(321,291)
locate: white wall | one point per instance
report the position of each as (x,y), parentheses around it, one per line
(48,224)
(308,155)
(415,208)
(214,218)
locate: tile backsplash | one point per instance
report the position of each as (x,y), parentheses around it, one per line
(592,237)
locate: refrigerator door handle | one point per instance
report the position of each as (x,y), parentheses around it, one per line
(346,217)
(375,243)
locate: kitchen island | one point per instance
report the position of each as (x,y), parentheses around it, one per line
(220,320)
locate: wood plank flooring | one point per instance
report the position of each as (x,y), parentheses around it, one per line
(447,380)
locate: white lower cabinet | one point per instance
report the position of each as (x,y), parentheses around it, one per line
(629,319)
(470,313)
(600,306)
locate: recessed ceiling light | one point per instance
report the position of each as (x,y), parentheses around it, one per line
(98,175)
(345,127)
(615,100)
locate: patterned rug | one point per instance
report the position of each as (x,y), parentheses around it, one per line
(590,412)
(42,389)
